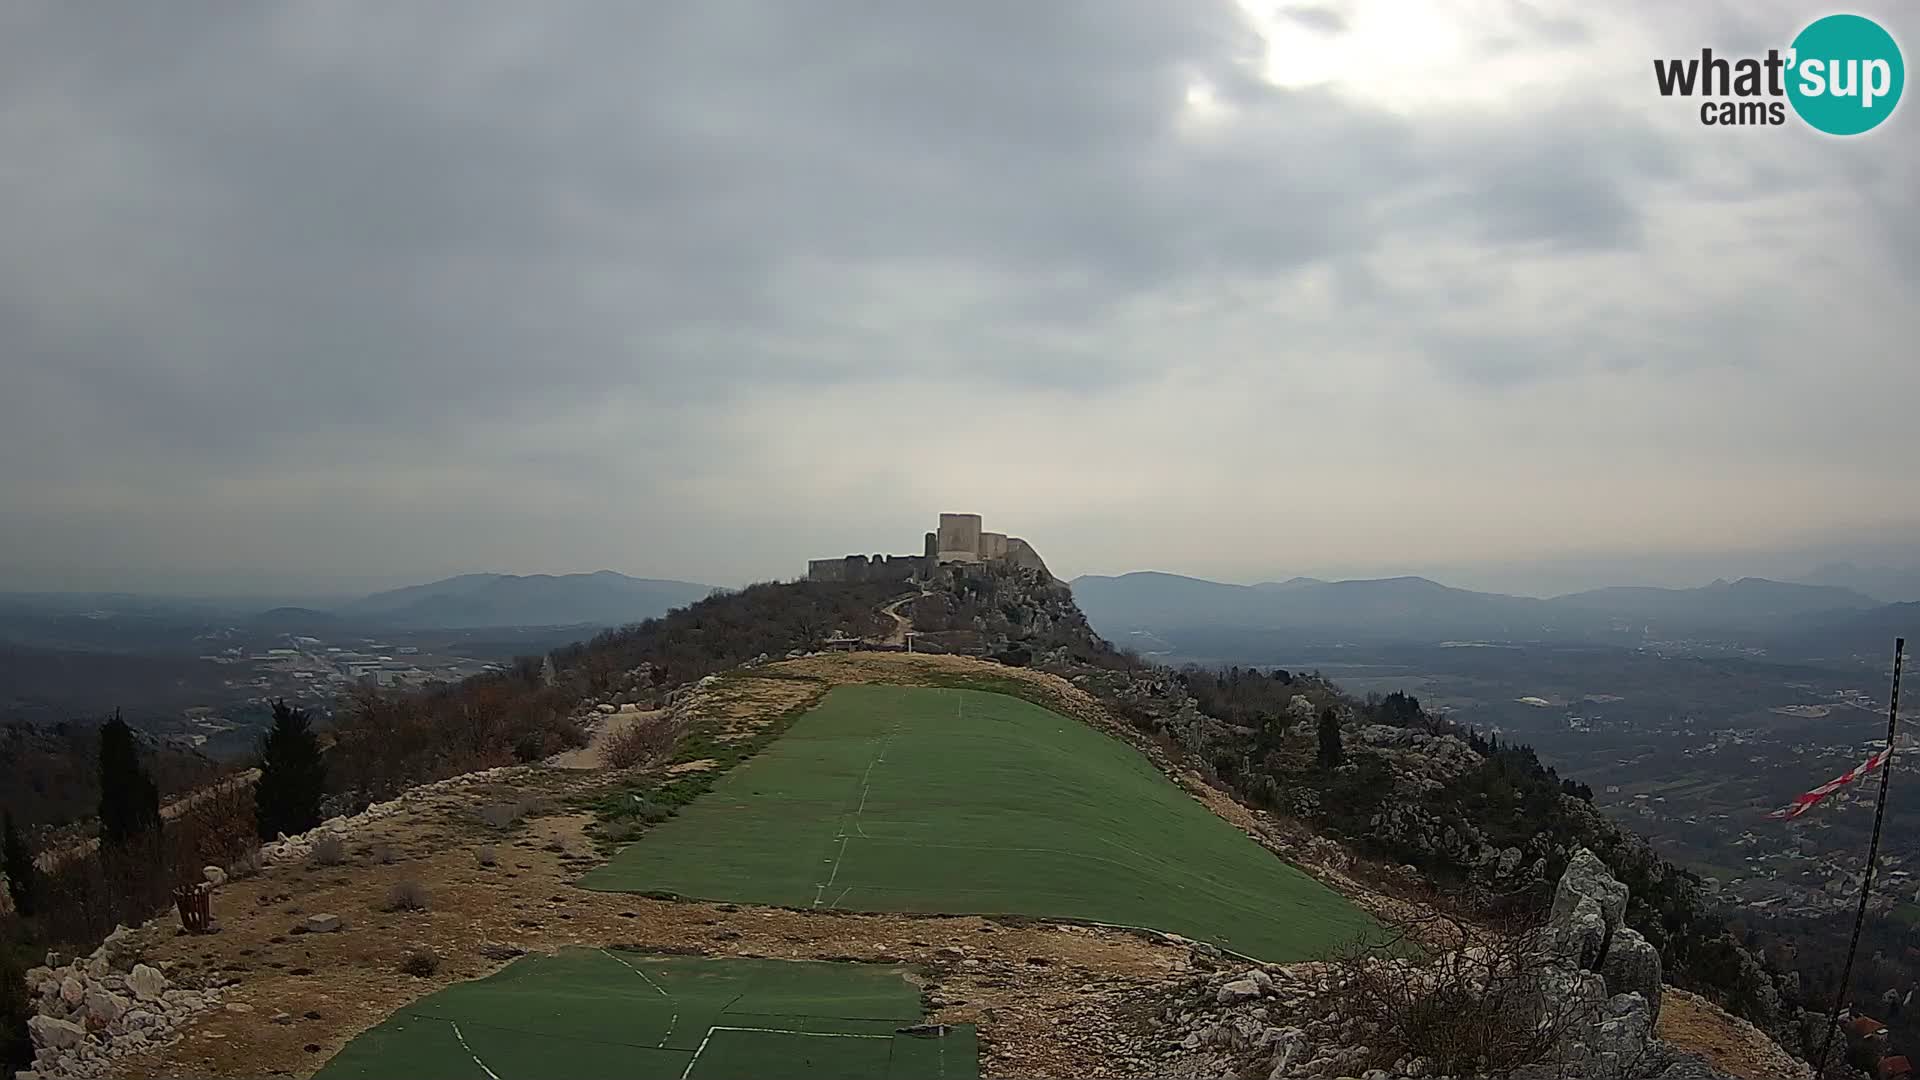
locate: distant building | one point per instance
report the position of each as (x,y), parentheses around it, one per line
(959,539)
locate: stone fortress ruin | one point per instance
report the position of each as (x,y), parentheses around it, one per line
(959,539)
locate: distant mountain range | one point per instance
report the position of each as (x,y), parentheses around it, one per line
(1888,584)
(1720,602)
(1415,608)
(468,601)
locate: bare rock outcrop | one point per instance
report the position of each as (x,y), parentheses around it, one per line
(90,1012)
(1576,1001)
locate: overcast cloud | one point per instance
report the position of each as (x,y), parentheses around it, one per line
(345,294)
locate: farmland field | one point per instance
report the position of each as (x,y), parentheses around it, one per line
(597,1012)
(911,799)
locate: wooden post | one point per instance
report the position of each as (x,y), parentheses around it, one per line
(1841,992)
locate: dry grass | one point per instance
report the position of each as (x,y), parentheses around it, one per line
(639,743)
(245,865)
(420,963)
(407,895)
(328,851)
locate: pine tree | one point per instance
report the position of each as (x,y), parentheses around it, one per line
(293,775)
(1331,753)
(18,862)
(129,801)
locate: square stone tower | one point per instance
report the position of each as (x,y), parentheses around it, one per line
(959,538)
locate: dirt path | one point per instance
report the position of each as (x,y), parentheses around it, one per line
(902,625)
(1732,1045)
(594,755)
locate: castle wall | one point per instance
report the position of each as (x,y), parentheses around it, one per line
(861,568)
(993,545)
(1021,553)
(830,569)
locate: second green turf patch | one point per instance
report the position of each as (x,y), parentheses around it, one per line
(609,1012)
(912,799)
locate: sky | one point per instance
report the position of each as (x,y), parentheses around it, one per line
(340,295)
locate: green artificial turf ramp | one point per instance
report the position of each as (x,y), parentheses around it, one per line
(911,799)
(617,1013)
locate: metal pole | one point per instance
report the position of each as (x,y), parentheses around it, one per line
(1873,854)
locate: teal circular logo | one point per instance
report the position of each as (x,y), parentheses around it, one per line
(1846,74)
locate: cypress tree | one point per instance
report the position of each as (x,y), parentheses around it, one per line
(19,866)
(129,800)
(293,775)
(1331,753)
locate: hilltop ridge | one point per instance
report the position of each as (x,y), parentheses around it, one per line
(1415,815)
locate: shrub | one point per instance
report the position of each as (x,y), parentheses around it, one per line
(16,1006)
(639,743)
(214,830)
(407,895)
(20,870)
(383,854)
(1481,1009)
(486,855)
(248,864)
(500,815)
(420,963)
(329,851)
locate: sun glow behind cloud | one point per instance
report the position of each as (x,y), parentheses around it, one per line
(1411,58)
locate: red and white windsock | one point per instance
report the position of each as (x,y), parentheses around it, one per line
(1807,801)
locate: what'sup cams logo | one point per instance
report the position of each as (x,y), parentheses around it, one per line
(1843,75)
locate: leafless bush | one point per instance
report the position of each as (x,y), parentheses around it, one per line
(247,864)
(499,815)
(384,854)
(420,963)
(1486,1008)
(407,896)
(640,743)
(485,854)
(328,851)
(216,828)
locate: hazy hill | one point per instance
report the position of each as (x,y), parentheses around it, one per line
(603,598)
(1721,603)
(1417,609)
(1893,585)
(1408,607)
(1863,635)
(51,775)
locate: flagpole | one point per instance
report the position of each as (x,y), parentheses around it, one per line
(1873,855)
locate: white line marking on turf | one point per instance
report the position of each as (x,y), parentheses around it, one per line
(866,782)
(821,889)
(688,1071)
(866,787)
(470,1053)
(671,1023)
